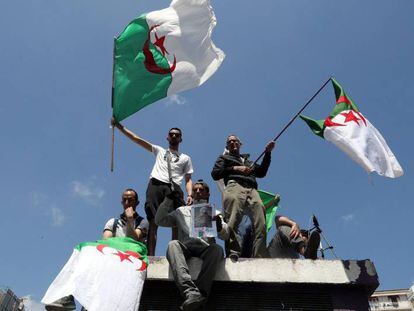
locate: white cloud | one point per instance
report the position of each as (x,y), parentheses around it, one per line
(58,218)
(87,191)
(176,100)
(45,205)
(38,199)
(348,217)
(32,305)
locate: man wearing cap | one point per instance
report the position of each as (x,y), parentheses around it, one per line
(168,172)
(291,242)
(194,293)
(240,195)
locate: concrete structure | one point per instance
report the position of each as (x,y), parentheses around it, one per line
(396,299)
(9,301)
(270,284)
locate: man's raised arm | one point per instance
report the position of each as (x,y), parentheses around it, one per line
(131,135)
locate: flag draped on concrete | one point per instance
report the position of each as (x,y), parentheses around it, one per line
(105,275)
(348,129)
(162,53)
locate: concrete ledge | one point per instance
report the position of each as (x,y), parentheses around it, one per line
(269,284)
(324,272)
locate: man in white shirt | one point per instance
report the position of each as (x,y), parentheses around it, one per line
(168,172)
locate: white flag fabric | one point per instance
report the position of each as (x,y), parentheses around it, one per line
(361,141)
(106,275)
(162,53)
(187,26)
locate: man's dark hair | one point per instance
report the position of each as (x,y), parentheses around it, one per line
(203,183)
(304,232)
(177,129)
(232,135)
(135,193)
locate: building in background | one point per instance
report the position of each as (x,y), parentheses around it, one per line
(396,299)
(9,301)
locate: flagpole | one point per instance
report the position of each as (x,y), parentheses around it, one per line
(294,118)
(112,105)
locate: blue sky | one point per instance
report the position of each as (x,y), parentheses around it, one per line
(55,81)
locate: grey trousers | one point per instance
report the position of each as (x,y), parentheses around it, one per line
(282,246)
(177,253)
(238,201)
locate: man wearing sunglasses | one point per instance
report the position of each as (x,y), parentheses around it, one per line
(240,196)
(168,172)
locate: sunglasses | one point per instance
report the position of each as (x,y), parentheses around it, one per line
(233,141)
(172,134)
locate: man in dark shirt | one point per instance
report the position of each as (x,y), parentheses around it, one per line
(291,242)
(241,196)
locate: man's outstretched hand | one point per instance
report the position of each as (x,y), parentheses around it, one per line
(270,146)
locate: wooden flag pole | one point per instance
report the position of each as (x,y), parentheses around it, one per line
(112,105)
(112,149)
(294,118)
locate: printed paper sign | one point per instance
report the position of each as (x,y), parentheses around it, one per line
(202,224)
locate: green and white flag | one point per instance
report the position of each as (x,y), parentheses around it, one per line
(162,53)
(348,129)
(105,275)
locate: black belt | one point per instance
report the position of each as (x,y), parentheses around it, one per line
(242,183)
(157,182)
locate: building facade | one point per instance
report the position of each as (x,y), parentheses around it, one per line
(9,301)
(397,299)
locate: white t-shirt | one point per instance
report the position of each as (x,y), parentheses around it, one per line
(180,165)
(143,225)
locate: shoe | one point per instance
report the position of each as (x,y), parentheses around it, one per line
(311,251)
(234,257)
(63,304)
(193,302)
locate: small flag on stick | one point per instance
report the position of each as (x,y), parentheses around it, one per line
(348,129)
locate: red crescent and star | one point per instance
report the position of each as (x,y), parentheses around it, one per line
(350,116)
(149,61)
(124,256)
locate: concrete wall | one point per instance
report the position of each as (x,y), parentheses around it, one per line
(270,284)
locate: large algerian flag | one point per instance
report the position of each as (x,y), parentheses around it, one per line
(271,204)
(162,53)
(351,132)
(105,275)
